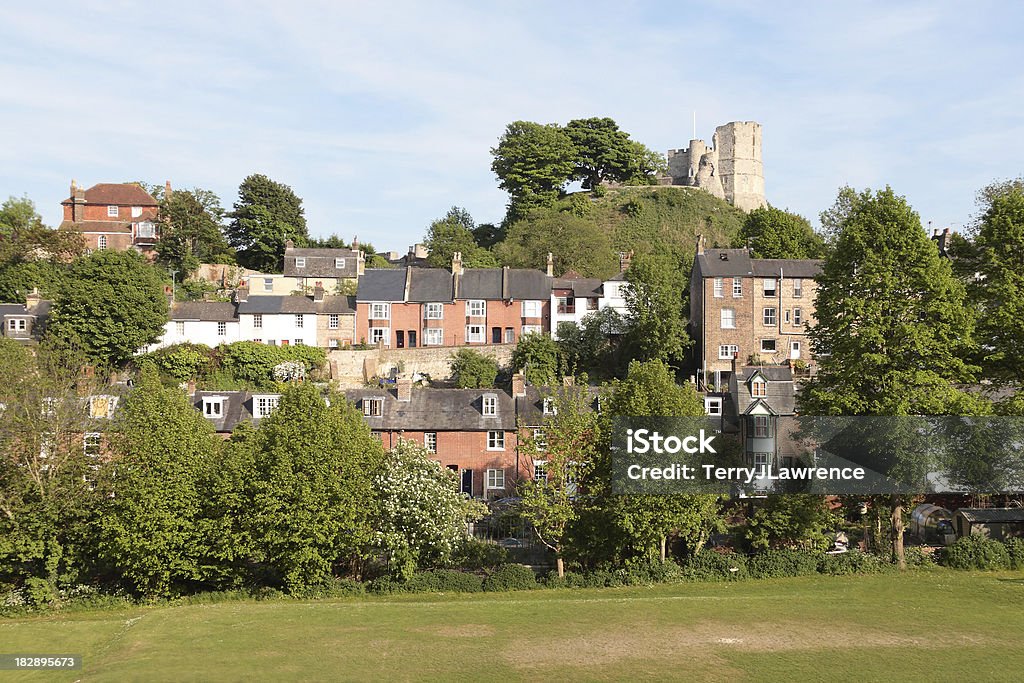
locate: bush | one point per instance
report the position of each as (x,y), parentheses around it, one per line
(254,362)
(713,566)
(977,552)
(444,581)
(181,362)
(511,577)
(854,562)
(39,592)
(385,585)
(644,571)
(473,370)
(773,564)
(1015,547)
(916,557)
(475,555)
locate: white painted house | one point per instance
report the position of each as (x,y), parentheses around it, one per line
(200,322)
(277,320)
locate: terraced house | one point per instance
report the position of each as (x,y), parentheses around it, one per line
(410,307)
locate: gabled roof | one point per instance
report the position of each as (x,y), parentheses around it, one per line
(342,305)
(382,284)
(437,410)
(781,390)
(212,311)
(122,194)
(738,263)
(320,263)
(990,515)
(237,409)
(480,283)
(582,287)
(503,283)
(269,305)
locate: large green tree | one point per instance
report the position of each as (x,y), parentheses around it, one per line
(576,244)
(31,254)
(150,528)
(113,305)
(604,152)
(655,298)
(992,267)
(454,233)
(776,233)
(191,231)
(539,356)
(892,326)
(266,215)
(533,163)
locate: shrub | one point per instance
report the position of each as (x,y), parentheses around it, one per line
(1015,548)
(641,571)
(473,370)
(916,557)
(977,552)
(444,581)
(854,563)
(511,577)
(385,585)
(773,564)
(713,566)
(39,592)
(475,555)
(254,362)
(181,362)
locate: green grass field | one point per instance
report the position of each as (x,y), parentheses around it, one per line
(924,626)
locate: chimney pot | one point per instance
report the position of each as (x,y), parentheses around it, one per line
(167,189)
(551,264)
(518,384)
(403,388)
(289,244)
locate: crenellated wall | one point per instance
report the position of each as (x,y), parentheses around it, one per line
(731,168)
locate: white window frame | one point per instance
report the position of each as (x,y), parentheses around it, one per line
(433,336)
(300,320)
(540,439)
(495,440)
(101,242)
(146,229)
(332,343)
(737,288)
(727,318)
(300,261)
(265,404)
(476,308)
(761,462)
(713,406)
(213,407)
(268,284)
(719,287)
(770,316)
(774,344)
(549,406)
(728,351)
(136,211)
(489,405)
(478,337)
(333,321)
(494,478)
(113,211)
(339,263)
(257,321)
(433,310)
(531,308)
(798,316)
(771,286)
(759,388)
(92,443)
(540,470)
(373,406)
(430,441)
(798,286)
(532,329)
(380,310)
(380,334)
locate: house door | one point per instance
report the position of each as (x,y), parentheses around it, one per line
(467,482)
(412,339)
(794,350)
(400,339)
(495,335)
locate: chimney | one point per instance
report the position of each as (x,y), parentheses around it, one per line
(518,384)
(32,299)
(700,245)
(77,198)
(167,189)
(403,388)
(551,264)
(288,244)
(734,357)
(242,293)
(408,284)
(355,243)
(625,258)
(457,263)
(318,292)
(191,387)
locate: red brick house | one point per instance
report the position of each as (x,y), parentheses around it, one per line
(409,307)
(118,216)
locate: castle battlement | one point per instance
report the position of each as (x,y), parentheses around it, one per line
(730,168)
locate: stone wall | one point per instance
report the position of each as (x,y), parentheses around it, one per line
(731,168)
(350,368)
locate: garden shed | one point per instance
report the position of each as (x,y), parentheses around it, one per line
(998,524)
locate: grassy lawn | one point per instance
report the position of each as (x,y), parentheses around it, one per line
(924,626)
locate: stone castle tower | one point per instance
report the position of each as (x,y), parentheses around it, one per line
(730,169)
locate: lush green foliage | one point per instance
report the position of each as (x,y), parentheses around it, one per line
(190,231)
(656,321)
(454,233)
(790,521)
(32,255)
(473,370)
(977,552)
(533,162)
(254,362)
(773,564)
(592,346)
(577,243)
(510,577)
(605,153)
(112,306)
(266,215)
(538,355)
(776,233)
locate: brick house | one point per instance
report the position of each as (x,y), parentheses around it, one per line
(118,216)
(411,307)
(756,309)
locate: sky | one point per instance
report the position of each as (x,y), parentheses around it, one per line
(381,117)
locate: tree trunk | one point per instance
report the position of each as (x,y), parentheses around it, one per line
(560,564)
(664,543)
(897,534)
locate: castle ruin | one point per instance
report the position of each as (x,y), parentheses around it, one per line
(730,169)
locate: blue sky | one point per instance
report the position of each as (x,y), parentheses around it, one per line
(381,117)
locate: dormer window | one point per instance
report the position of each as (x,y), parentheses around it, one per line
(112,211)
(339,263)
(213,407)
(490,405)
(549,406)
(300,262)
(263,406)
(758,387)
(373,406)
(102,407)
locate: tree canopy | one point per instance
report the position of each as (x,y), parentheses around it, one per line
(776,234)
(538,355)
(190,231)
(655,297)
(576,243)
(606,153)
(533,163)
(266,215)
(454,233)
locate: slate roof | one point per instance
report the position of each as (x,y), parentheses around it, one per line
(98,226)
(990,515)
(530,407)
(344,305)
(320,263)
(430,284)
(503,283)
(276,304)
(213,311)
(238,409)
(122,194)
(583,287)
(781,396)
(737,263)
(382,284)
(480,283)
(437,410)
